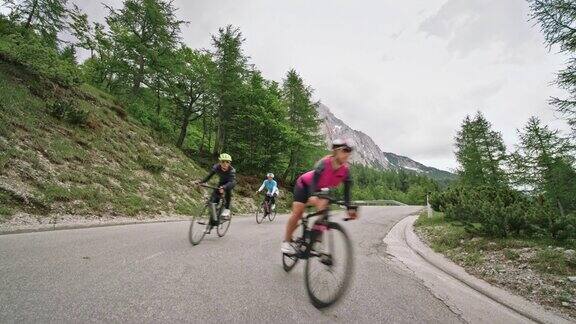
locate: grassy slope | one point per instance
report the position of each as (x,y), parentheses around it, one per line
(112,166)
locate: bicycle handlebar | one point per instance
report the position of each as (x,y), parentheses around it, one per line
(207,186)
(332,200)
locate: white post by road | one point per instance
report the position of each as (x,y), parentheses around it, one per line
(428,207)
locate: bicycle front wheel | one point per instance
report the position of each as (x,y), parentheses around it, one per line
(289,261)
(198,226)
(260,214)
(272,215)
(329,268)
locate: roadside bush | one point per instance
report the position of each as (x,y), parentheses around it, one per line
(150,164)
(564,228)
(69,110)
(439,201)
(500,211)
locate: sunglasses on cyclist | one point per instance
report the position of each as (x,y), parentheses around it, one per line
(346,149)
(225,162)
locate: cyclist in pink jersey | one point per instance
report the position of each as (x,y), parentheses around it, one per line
(329,172)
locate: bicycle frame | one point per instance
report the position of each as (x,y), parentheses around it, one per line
(309,235)
(214,211)
(266,203)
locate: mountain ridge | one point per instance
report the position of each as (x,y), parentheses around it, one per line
(367,152)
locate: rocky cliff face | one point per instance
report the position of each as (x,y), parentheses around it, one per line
(367,152)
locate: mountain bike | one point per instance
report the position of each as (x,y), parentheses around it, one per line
(210,216)
(327,249)
(265,209)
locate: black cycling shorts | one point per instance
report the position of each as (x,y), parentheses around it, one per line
(301,193)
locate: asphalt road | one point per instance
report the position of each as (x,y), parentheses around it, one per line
(151,273)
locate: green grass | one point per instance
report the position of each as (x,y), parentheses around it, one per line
(4,124)
(62,150)
(74,177)
(511,254)
(186,207)
(5,213)
(447,235)
(553,261)
(151,163)
(5,157)
(6,210)
(130,204)
(469,258)
(55,193)
(436,219)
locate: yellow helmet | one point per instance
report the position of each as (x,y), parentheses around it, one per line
(225,157)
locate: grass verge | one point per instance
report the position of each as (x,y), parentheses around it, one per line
(538,269)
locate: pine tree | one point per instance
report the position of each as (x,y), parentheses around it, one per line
(260,129)
(143,33)
(231,71)
(493,151)
(190,86)
(303,118)
(47,17)
(82,30)
(557,20)
(481,153)
(542,163)
(468,154)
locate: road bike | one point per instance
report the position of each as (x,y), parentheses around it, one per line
(265,210)
(327,249)
(210,216)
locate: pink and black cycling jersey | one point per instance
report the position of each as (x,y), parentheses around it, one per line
(325,176)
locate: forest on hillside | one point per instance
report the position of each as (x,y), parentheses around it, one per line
(202,101)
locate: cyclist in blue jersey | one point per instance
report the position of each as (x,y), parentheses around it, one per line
(271,187)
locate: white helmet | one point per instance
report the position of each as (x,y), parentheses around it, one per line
(341,143)
(270,174)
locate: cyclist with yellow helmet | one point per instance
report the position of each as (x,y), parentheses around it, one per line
(226,183)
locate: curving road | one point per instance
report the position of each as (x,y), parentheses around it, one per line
(150,273)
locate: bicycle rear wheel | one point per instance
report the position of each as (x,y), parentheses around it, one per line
(224,225)
(329,268)
(200,222)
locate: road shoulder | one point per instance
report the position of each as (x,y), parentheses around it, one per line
(475,300)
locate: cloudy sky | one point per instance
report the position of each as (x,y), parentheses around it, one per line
(404,72)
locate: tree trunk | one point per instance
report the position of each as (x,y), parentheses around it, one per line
(184,128)
(287,175)
(219,134)
(31,15)
(139,77)
(560,207)
(210,131)
(201,148)
(158,100)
